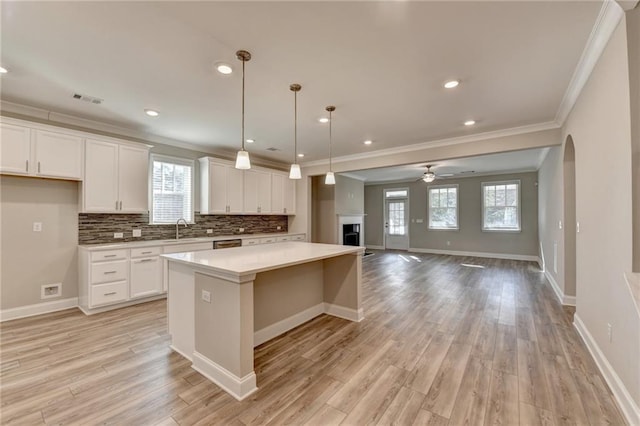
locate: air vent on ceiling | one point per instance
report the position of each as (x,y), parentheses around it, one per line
(89,99)
(272,149)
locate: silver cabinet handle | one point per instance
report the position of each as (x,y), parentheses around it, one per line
(148,260)
(147,252)
(110,255)
(285,209)
(110,294)
(27,165)
(110,272)
(116,204)
(259,209)
(120,205)
(38,167)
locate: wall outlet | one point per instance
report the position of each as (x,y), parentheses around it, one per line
(137,232)
(206,296)
(448,243)
(37,226)
(240,229)
(279,228)
(209,231)
(118,235)
(48,291)
(609,332)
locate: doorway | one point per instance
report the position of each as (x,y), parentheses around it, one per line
(396,219)
(569,174)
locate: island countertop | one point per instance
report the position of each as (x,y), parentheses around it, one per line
(255,259)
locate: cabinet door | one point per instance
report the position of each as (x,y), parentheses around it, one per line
(101,176)
(217,188)
(15,148)
(133,182)
(264,192)
(145,278)
(251,178)
(234,189)
(58,155)
(290,196)
(277,194)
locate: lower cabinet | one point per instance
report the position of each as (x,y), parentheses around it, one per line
(146,277)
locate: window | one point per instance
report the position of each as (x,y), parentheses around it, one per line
(443,207)
(396,193)
(501,206)
(396,218)
(171,189)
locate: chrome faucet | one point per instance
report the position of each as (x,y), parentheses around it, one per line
(177,227)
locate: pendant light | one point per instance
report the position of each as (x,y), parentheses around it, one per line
(242,159)
(294,173)
(330,179)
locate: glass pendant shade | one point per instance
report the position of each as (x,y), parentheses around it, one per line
(429,177)
(294,173)
(242,160)
(330,179)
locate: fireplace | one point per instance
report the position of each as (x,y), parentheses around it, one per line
(351,234)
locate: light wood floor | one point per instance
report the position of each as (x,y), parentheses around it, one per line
(441,344)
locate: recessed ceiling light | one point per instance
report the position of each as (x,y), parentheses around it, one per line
(224,68)
(451,84)
(3,70)
(151,113)
(469,122)
(367,142)
(301,155)
(250,140)
(323,120)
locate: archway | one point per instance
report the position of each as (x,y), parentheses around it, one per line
(569,172)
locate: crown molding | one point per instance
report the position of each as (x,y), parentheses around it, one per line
(439,142)
(608,19)
(352,176)
(30,113)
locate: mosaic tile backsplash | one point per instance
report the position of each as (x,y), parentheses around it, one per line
(98,228)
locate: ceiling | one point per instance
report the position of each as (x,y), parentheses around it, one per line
(382,64)
(505,162)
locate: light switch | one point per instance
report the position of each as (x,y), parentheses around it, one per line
(559,224)
(206,296)
(118,235)
(37,226)
(209,231)
(137,232)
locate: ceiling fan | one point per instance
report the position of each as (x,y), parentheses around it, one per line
(428,176)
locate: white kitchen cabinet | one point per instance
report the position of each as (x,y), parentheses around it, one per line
(221,187)
(116,177)
(40,153)
(283,194)
(146,277)
(257,192)
(290,196)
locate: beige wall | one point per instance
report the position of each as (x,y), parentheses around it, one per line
(31,259)
(600,126)
(470,236)
(349,195)
(324,212)
(633,40)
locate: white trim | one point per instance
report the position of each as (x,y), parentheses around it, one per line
(276,329)
(183,354)
(350,219)
(352,176)
(562,298)
(179,161)
(342,312)
(237,387)
(375,247)
(484,208)
(38,309)
(610,15)
(625,401)
(443,186)
(507,256)
(92,311)
(549,125)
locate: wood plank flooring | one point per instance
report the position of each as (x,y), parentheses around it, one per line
(442,344)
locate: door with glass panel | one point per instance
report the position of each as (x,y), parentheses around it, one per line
(396,223)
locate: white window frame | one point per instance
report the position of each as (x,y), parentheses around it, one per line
(443,228)
(396,197)
(173,160)
(519,206)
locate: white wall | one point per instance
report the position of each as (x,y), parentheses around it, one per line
(599,125)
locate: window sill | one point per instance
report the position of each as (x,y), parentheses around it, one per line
(501,230)
(443,229)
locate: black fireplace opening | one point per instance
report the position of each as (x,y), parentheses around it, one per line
(351,234)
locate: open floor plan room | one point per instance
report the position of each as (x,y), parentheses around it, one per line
(447,340)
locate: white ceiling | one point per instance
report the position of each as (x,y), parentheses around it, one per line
(506,162)
(381,63)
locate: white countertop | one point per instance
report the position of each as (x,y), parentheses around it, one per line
(253,259)
(153,243)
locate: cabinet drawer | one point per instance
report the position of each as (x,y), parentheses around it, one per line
(108,271)
(267,240)
(105,294)
(98,256)
(299,237)
(145,252)
(250,241)
(179,248)
(285,238)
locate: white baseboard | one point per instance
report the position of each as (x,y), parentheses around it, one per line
(627,405)
(91,311)
(268,333)
(38,309)
(184,355)
(562,298)
(238,387)
(342,312)
(506,256)
(375,247)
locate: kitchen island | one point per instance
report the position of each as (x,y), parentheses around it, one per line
(223,303)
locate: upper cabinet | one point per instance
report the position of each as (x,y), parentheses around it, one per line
(116,177)
(227,190)
(41,153)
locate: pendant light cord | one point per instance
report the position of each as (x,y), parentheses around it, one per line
(295,127)
(330,140)
(243,104)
